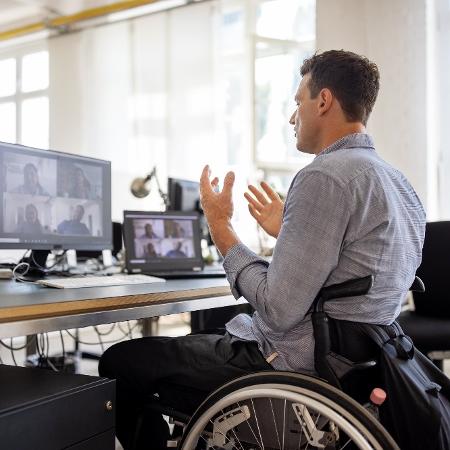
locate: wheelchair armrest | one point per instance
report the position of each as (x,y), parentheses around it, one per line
(418,285)
(350,288)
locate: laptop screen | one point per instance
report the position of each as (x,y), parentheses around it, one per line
(161,241)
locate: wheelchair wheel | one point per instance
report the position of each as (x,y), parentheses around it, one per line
(282,411)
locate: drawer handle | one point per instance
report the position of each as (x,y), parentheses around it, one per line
(109,405)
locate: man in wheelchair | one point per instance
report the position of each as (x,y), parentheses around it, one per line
(347,215)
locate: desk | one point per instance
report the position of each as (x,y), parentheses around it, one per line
(29,309)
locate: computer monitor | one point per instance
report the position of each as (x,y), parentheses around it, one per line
(53,200)
(184,195)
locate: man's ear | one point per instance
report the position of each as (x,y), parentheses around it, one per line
(325,98)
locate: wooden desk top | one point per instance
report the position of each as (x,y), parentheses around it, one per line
(23,302)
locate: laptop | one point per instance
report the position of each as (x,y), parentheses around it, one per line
(165,244)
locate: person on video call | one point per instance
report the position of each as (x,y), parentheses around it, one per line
(31,223)
(80,186)
(348,214)
(176,252)
(149,251)
(31,183)
(173,229)
(148,232)
(74,225)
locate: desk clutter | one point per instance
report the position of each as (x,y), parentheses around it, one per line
(45,410)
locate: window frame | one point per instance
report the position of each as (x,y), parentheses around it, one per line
(19,97)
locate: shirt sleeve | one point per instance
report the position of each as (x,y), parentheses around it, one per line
(315,220)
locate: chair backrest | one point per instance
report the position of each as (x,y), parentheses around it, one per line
(434,271)
(344,354)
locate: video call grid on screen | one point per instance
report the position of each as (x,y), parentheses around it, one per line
(54,200)
(160,238)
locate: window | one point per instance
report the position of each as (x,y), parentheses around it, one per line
(284,37)
(24,105)
(281,34)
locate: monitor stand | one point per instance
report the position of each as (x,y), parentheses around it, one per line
(36,260)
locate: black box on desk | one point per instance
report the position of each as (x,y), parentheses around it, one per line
(45,410)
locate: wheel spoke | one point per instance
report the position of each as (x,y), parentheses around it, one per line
(348,442)
(251,429)
(257,424)
(284,422)
(275,422)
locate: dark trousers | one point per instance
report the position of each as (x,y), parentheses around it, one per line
(181,370)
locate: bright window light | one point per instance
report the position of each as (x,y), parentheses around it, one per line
(8,122)
(35,127)
(35,71)
(7,77)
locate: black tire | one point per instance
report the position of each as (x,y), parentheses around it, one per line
(315,386)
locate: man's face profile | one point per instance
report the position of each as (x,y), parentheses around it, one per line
(303,119)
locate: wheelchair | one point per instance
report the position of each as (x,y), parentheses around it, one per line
(275,410)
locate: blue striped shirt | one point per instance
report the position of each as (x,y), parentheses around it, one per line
(348,214)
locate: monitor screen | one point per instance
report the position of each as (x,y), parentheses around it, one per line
(162,240)
(184,195)
(53,200)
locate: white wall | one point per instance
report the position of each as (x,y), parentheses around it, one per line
(394,34)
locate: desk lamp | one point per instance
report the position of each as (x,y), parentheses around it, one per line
(140,187)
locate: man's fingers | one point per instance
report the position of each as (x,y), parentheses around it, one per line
(205,184)
(252,202)
(215,182)
(228,183)
(260,197)
(269,191)
(253,212)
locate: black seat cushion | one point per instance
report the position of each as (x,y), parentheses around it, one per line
(428,333)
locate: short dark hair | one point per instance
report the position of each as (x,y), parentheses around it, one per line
(352,78)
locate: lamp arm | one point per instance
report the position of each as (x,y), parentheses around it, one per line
(162,194)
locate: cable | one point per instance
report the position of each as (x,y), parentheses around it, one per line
(130,329)
(12,353)
(63,346)
(128,333)
(40,346)
(99,339)
(96,343)
(108,332)
(58,259)
(18,348)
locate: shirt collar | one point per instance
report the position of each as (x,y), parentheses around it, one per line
(355,140)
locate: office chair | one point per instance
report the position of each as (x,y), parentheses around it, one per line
(429,324)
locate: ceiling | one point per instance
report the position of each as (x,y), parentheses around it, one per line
(17,13)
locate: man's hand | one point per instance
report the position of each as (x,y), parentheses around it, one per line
(217,206)
(218,209)
(267,211)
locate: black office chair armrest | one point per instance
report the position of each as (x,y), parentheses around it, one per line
(350,288)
